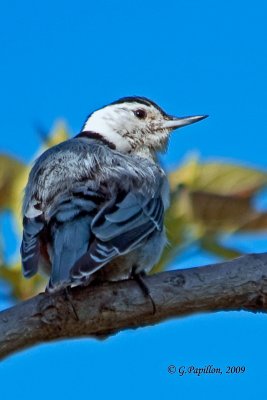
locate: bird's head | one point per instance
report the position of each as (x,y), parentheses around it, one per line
(135,124)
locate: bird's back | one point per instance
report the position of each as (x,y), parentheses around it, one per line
(86,204)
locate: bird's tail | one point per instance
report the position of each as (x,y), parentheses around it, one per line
(70,242)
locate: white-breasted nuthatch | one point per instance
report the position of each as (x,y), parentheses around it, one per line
(96,202)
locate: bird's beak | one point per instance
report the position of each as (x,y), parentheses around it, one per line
(174,122)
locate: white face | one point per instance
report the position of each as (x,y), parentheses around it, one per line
(134,126)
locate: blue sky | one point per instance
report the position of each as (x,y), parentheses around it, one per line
(64,59)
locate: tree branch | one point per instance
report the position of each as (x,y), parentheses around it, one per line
(110,307)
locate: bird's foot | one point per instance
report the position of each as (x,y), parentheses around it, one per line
(64,288)
(67,296)
(139,277)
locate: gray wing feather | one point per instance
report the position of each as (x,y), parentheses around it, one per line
(30,246)
(71,218)
(118,229)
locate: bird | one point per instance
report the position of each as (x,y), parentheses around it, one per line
(94,205)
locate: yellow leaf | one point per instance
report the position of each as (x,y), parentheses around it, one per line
(10,169)
(21,288)
(208,199)
(58,134)
(219,177)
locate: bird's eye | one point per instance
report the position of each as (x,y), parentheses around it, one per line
(141,114)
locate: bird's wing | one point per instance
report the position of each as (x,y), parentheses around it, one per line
(68,207)
(54,172)
(30,246)
(119,228)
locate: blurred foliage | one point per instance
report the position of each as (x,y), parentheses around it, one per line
(13,178)
(208,199)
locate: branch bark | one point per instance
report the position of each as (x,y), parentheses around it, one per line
(105,309)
